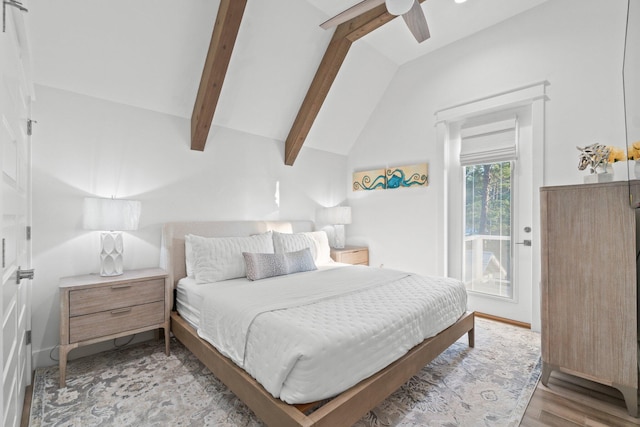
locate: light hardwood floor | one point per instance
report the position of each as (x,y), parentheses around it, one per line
(26,407)
(571,401)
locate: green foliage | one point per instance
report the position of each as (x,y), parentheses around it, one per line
(488,199)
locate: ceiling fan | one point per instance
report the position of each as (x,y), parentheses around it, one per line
(410,10)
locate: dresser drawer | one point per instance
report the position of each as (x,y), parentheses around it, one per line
(115,321)
(354,257)
(104,298)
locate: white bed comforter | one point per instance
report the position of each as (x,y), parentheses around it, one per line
(312,335)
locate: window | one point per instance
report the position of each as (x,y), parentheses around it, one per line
(487,263)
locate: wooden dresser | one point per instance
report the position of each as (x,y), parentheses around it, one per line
(589,287)
(95,308)
(356,255)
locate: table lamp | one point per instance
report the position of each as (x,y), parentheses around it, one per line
(111,217)
(338,216)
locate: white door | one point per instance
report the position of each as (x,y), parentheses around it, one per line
(15,205)
(491,212)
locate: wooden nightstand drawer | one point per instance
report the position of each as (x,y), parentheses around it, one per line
(355,257)
(115,321)
(98,308)
(351,255)
(93,300)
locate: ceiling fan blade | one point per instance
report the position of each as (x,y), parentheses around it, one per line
(417,22)
(352,12)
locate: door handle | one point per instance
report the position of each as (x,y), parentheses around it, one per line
(524,242)
(24,274)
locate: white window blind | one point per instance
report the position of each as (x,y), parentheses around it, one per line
(489,143)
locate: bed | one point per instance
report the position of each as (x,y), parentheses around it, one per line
(334,404)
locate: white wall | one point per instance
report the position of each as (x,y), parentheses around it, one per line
(84,146)
(576,45)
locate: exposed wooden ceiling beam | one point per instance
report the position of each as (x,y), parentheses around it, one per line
(223,39)
(344,35)
(326,74)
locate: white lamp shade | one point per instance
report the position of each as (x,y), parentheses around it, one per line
(337,215)
(399,7)
(111,214)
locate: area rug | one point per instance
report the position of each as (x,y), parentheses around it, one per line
(489,385)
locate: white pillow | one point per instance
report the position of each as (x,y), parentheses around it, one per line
(214,259)
(188,255)
(317,241)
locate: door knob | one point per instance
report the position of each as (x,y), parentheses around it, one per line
(524,242)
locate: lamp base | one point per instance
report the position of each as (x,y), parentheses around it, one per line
(338,238)
(111,250)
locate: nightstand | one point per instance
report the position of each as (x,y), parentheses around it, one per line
(95,308)
(357,255)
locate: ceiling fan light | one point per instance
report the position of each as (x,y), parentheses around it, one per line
(460,1)
(399,7)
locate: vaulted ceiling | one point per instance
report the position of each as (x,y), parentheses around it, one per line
(151,54)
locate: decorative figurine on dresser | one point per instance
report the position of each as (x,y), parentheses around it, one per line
(589,285)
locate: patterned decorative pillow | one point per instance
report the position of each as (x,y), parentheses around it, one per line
(300,261)
(261,265)
(317,241)
(213,259)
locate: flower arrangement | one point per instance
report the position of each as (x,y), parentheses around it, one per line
(597,157)
(633,151)
(617,154)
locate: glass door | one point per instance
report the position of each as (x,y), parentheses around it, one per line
(487,257)
(493,170)
(491,227)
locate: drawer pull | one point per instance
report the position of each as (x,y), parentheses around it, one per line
(121,310)
(120,286)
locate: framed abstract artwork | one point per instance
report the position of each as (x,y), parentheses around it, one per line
(408,176)
(393,177)
(369,180)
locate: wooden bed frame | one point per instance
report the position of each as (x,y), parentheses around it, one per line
(344,409)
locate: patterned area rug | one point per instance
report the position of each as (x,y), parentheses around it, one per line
(489,385)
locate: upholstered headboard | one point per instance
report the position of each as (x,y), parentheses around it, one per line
(172,251)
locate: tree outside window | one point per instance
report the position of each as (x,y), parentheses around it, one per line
(487,257)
